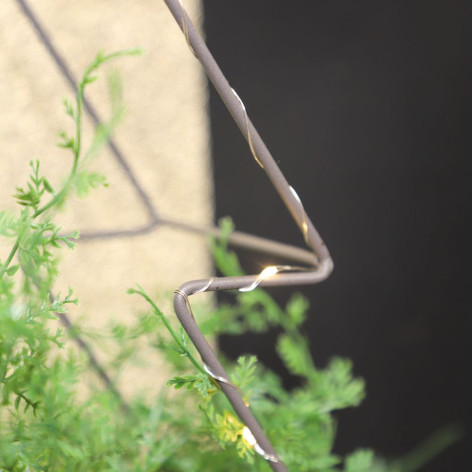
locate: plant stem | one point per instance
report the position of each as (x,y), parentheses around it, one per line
(4,267)
(429,449)
(170,329)
(64,189)
(58,197)
(38,212)
(78,124)
(23,396)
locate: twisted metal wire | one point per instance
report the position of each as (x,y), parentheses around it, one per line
(319,264)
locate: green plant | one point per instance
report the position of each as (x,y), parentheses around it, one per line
(46,425)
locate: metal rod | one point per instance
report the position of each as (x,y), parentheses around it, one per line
(320,263)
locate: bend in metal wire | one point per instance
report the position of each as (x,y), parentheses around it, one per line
(214,368)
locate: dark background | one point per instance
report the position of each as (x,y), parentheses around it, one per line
(365,106)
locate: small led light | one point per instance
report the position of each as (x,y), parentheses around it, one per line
(265,274)
(304,223)
(268,272)
(251,440)
(248,437)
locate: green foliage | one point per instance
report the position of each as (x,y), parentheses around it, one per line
(35,189)
(359,461)
(243,374)
(226,429)
(200,382)
(46,425)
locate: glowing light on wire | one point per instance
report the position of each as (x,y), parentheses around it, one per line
(251,441)
(265,274)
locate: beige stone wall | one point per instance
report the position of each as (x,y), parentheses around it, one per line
(164,136)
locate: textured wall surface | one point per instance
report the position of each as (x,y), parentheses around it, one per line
(164,138)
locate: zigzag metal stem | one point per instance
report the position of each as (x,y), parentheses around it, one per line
(320,263)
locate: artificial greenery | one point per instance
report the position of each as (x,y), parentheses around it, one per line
(45,424)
